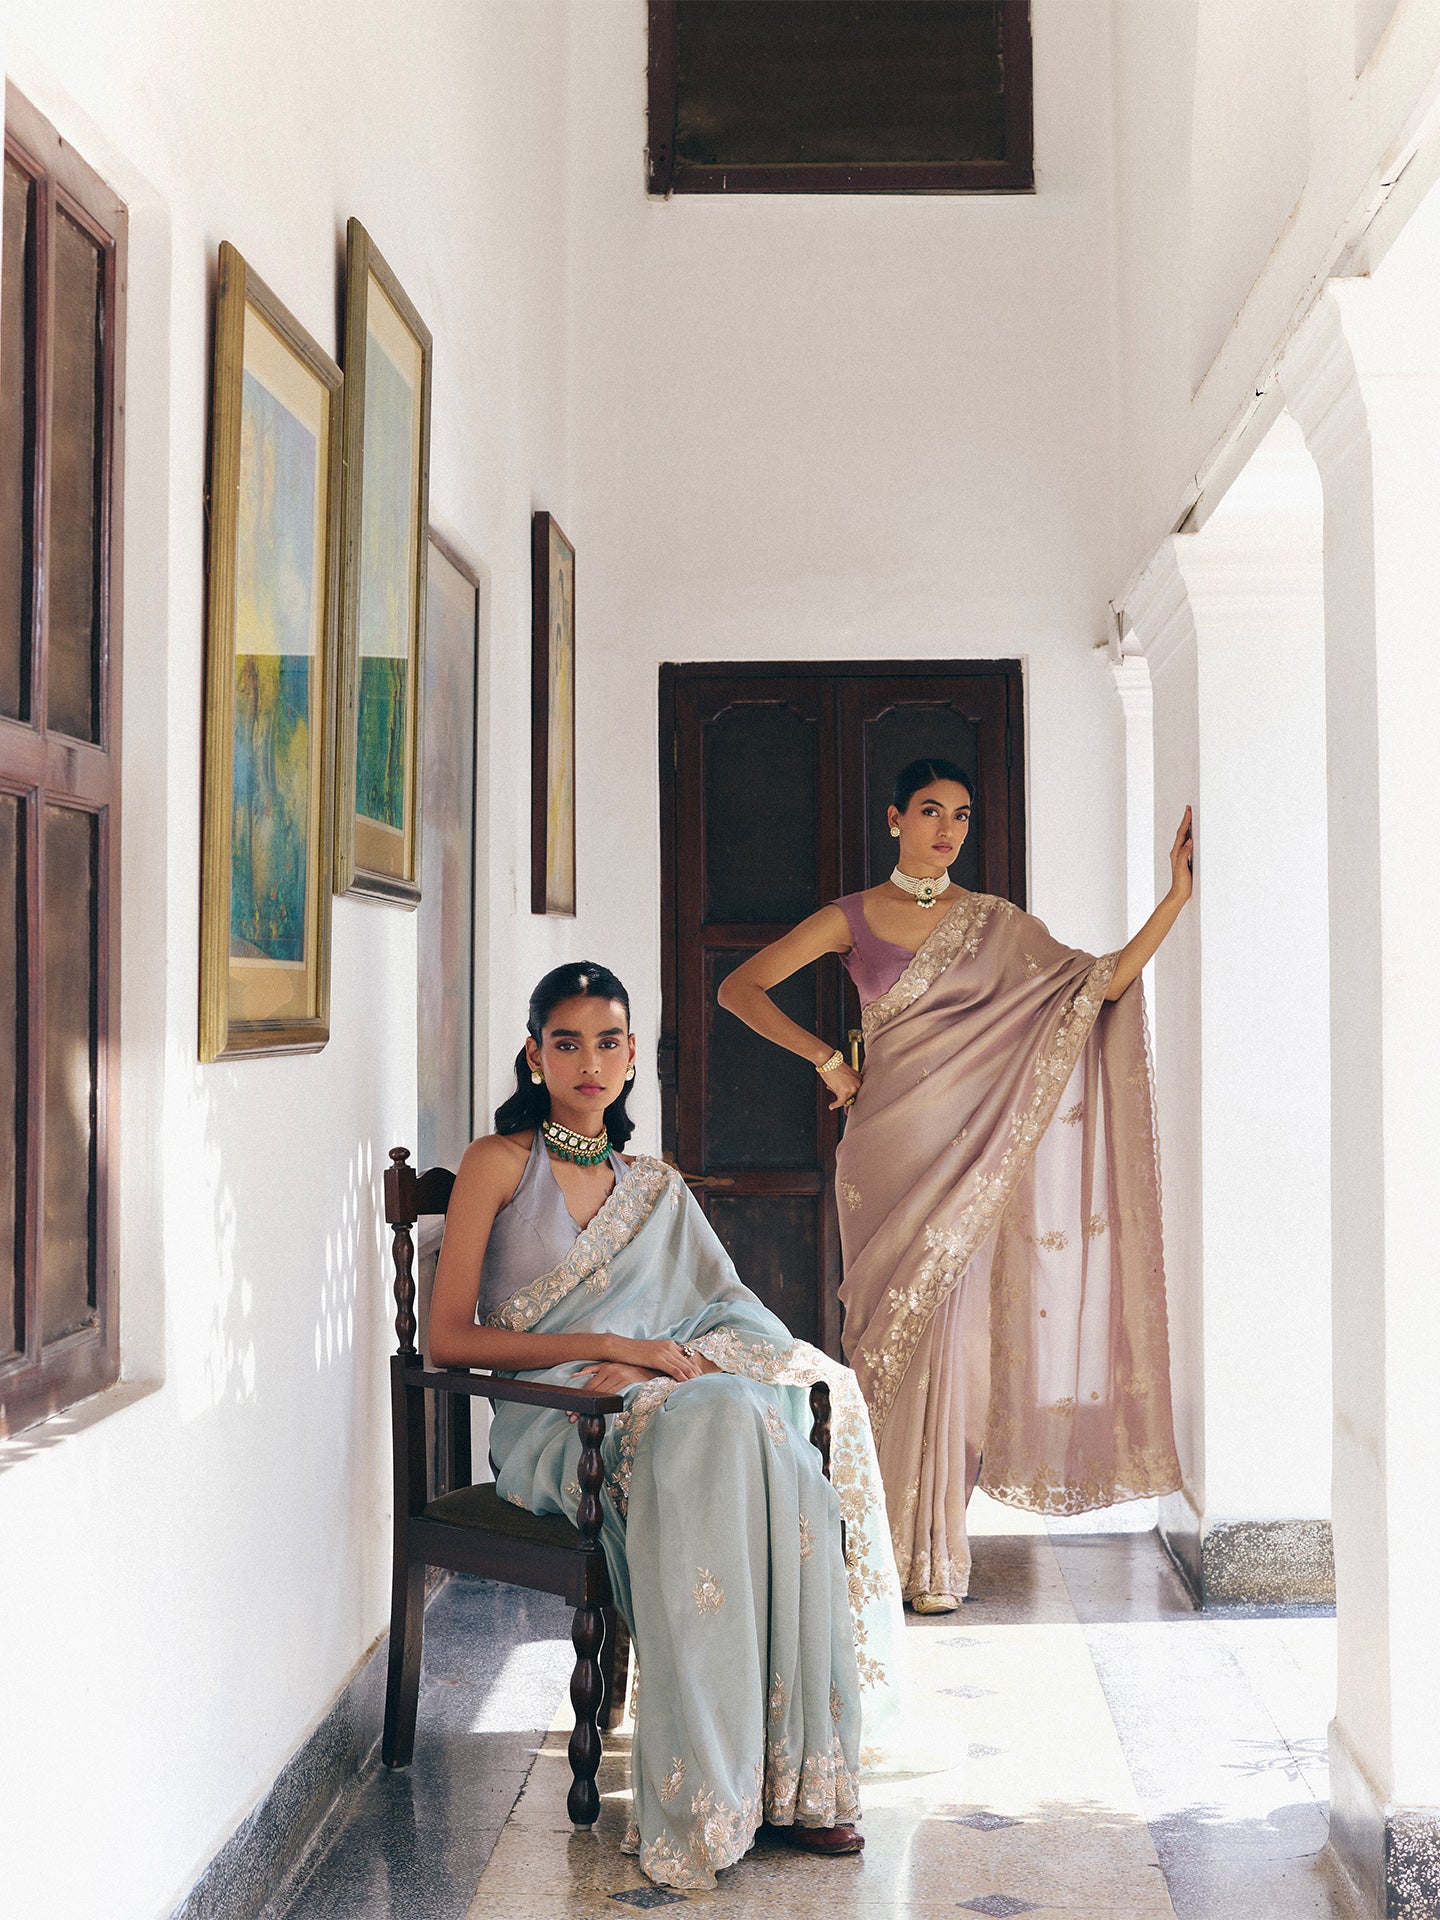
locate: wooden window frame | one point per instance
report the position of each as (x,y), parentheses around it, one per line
(1014,174)
(41,768)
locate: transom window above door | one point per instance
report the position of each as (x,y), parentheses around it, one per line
(840,96)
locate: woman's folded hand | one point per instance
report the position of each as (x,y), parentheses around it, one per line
(660,1356)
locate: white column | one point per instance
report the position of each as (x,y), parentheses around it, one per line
(1253,578)
(1363,378)
(1230,623)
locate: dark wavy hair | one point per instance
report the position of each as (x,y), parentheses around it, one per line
(924,773)
(529,1104)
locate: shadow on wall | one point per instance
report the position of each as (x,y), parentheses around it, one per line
(279,1252)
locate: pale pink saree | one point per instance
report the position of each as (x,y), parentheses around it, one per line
(999,1202)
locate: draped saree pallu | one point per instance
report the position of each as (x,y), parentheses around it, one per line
(1004,1286)
(755,1640)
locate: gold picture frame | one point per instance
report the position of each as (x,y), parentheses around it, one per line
(552,718)
(385,511)
(267,833)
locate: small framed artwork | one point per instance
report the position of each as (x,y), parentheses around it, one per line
(552,733)
(382,594)
(269,678)
(446,934)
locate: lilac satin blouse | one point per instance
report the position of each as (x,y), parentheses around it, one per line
(872,963)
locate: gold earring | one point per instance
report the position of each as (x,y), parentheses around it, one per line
(536,1079)
(894,833)
(630,1071)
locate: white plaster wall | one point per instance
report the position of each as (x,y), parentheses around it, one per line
(1250,153)
(186,1584)
(1196,240)
(842,427)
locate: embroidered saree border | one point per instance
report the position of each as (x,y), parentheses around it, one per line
(1130,1468)
(959,932)
(630,1205)
(950,1250)
(855,1484)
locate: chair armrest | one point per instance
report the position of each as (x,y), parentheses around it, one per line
(496,1386)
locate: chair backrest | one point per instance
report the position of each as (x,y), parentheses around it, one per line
(408,1195)
(443,1436)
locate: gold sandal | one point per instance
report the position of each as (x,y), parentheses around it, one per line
(934,1603)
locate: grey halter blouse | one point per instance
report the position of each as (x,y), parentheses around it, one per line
(533,1231)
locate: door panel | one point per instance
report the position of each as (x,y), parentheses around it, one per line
(774,784)
(772,1240)
(761,838)
(886,723)
(741,1130)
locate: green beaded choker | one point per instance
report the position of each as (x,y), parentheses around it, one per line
(584,1149)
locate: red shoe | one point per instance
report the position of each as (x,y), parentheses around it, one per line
(839,1839)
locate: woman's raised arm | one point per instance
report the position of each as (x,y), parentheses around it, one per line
(489,1174)
(1137,954)
(746,993)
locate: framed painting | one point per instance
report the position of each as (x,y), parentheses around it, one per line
(269,678)
(552,734)
(446,934)
(382,594)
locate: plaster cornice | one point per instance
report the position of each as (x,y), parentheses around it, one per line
(1158,608)
(1236,578)
(1322,387)
(1131,674)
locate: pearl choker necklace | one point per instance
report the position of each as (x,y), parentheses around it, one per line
(580,1148)
(924,892)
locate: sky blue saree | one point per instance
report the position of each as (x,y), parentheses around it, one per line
(760,1649)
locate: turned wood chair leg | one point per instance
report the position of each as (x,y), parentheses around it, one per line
(402,1685)
(616,1668)
(586,1634)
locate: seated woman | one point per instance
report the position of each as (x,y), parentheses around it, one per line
(584,1268)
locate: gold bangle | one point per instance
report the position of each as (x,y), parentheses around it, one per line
(837,1059)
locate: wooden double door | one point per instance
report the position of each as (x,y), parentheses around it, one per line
(774,783)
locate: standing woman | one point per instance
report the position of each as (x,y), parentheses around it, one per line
(1004,1288)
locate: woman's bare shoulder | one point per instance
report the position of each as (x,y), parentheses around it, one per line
(495,1164)
(827,929)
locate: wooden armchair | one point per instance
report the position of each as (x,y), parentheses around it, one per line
(472,1530)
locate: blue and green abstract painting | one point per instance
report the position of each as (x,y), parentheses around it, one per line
(384,610)
(274,674)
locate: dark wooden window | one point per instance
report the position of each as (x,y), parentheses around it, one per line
(840,96)
(61,311)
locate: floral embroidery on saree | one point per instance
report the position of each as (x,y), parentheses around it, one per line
(630,1205)
(861,1506)
(630,1427)
(720,1836)
(950,1249)
(959,932)
(708,1592)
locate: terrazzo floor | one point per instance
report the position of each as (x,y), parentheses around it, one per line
(1107,1752)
